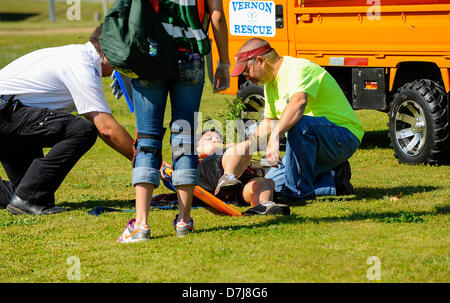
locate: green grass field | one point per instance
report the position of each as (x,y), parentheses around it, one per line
(329,240)
(35,14)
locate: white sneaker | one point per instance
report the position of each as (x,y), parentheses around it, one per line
(132,234)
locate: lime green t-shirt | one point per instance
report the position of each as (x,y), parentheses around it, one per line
(325,97)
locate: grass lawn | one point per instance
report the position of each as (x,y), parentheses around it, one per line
(26,15)
(399,214)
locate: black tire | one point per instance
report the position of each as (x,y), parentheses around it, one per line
(419,123)
(253,98)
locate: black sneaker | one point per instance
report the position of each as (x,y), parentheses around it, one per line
(342,176)
(268,208)
(228,185)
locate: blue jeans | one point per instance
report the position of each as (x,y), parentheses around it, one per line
(323,184)
(149,98)
(314,146)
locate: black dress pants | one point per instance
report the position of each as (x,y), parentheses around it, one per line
(24,132)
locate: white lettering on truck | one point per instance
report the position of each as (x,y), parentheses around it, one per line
(252,18)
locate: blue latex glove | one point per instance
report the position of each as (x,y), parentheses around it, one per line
(121,85)
(116,90)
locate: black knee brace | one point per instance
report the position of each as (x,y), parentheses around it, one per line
(147,149)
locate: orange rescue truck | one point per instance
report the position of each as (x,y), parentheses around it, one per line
(387,55)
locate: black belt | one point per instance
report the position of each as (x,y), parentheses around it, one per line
(7,97)
(9,103)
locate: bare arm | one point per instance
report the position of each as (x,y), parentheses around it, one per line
(265,127)
(112,133)
(262,133)
(291,114)
(220,29)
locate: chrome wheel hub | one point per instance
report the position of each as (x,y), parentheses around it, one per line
(410,128)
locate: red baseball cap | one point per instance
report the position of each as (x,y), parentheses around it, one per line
(242,58)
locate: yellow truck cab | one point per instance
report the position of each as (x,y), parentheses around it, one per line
(387,55)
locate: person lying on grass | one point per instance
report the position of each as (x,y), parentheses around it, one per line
(251,184)
(253,189)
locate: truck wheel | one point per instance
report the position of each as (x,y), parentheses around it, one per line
(419,123)
(253,98)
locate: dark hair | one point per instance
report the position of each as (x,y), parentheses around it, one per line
(94,38)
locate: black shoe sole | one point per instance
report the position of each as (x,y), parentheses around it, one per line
(281,210)
(278,210)
(16,211)
(230,189)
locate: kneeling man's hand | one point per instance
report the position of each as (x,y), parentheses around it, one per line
(272,151)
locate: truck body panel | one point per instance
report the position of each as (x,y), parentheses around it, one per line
(353,33)
(387,55)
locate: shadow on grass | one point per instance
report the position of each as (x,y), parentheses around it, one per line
(375,139)
(386,217)
(361,193)
(88,205)
(123,204)
(376,216)
(16,16)
(380,193)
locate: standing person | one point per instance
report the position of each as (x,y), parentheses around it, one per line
(37,94)
(304,101)
(149,98)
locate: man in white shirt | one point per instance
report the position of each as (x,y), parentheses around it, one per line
(38,92)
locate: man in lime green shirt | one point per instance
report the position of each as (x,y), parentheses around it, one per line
(304,101)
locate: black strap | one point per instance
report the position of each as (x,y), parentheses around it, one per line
(149,149)
(151,136)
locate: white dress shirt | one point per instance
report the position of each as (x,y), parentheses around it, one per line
(66,78)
